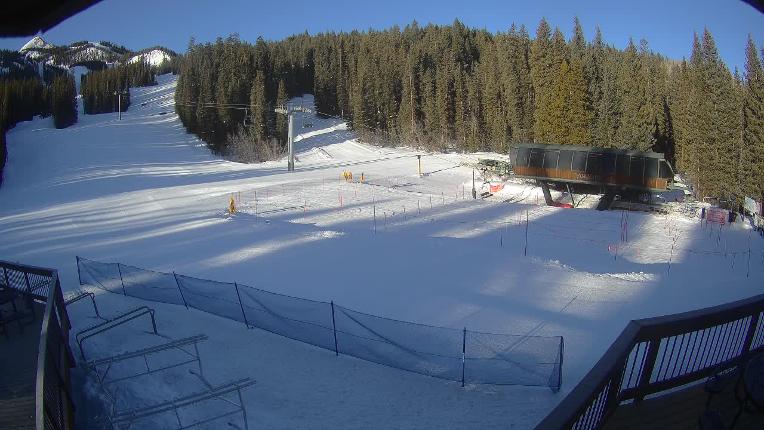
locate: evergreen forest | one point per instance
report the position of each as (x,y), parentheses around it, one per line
(106,90)
(451,87)
(22,98)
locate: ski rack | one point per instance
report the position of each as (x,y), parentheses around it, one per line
(130,315)
(77,297)
(145,353)
(123,420)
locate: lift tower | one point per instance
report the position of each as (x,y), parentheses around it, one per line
(289,112)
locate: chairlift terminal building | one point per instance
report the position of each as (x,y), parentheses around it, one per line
(607,168)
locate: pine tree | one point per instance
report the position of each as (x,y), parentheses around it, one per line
(724,119)
(541,78)
(513,51)
(547,60)
(752,159)
(3,152)
(577,42)
(637,126)
(258,105)
(282,121)
(64,101)
(570,114)
(206,114)
(408,113)
(493,100)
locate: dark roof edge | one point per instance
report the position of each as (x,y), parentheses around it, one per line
(586,148)
(29,18)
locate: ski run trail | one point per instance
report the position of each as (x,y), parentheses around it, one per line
(143,192)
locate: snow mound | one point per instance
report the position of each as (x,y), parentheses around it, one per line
(155,57)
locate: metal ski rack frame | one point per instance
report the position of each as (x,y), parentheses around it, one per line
(81,295)
(130,315)
(123,420)
(94,365)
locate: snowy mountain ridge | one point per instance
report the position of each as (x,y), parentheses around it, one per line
(40,50)
(36,42)
(153,57)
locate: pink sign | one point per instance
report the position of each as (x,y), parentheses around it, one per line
(716,215)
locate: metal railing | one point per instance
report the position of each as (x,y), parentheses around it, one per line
(54,408)
(654,355)
(109,324)
(81,295)
(34,281)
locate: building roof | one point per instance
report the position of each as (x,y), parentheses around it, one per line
(549,146)
(28,17)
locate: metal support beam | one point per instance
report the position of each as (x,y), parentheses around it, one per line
(289,112)
(547,193)
(290,142)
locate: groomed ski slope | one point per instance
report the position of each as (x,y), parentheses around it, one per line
(143,192)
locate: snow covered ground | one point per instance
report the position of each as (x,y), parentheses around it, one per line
(143,192)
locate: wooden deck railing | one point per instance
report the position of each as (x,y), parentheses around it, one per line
(654,355)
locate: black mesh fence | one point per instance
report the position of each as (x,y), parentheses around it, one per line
(457,355)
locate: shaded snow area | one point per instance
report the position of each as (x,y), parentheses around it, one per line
(143,192)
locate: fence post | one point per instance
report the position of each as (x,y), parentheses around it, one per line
(562,354)
(79,275)
(334,329)
(26,279)
(5,275)
(464,351)
(525,250)
(179,289)
(647,371)
(92,298)
(121,280)
(240,304)
(749,334)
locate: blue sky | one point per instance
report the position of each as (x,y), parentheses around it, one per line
(667,25)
